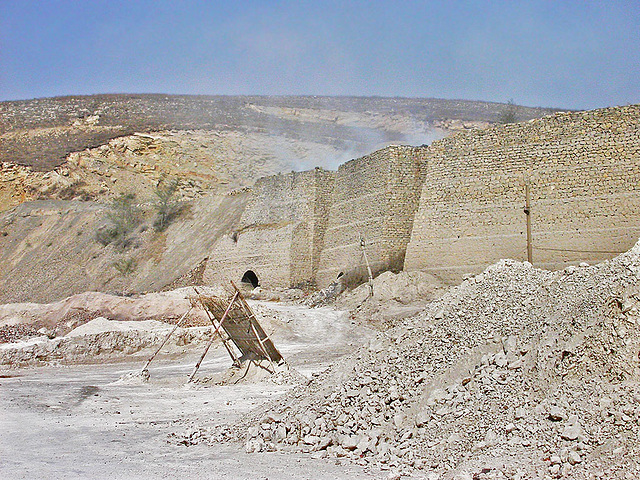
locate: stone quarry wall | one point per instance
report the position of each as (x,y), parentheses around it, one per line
(375,196)
(279,233)
(451,208)
(303,228)
(584,175)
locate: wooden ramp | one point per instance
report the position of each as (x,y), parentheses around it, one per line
(240,324)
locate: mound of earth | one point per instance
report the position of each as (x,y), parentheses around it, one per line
(102,340)
(101,325)
(395,296)
(256,371)
(19,321)
(96,327)
(516,373)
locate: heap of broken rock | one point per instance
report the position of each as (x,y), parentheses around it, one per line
(516,373)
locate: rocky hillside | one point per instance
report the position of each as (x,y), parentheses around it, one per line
(42,132)
(94,147)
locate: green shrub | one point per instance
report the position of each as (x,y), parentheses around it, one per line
(125,266)
(124,216)
(166,206)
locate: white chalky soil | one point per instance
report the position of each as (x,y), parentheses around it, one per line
(80,422)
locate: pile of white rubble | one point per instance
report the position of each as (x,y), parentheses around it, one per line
(517,373)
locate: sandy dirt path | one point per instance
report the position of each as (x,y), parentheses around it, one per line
(79,422)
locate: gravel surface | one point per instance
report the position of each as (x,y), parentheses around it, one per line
(518,373)
(88,421)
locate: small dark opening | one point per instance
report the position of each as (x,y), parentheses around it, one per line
(339,275)
(250,278)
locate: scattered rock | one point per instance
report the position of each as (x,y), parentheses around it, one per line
(556,413)
(436,391)
(572,432)
(574,457)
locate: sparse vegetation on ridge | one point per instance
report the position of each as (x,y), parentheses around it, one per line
(509,114)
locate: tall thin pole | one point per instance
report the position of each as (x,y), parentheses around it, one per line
(175,327)
(527,211)
(366,261)
(225,341)
(204,354)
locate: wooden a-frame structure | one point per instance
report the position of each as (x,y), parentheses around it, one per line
(238,321)
(236,325)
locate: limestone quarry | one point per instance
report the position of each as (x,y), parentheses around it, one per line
(456,358)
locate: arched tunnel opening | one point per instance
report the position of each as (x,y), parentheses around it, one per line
(251,278)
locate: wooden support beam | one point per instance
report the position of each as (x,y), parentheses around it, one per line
(146,366)
(225,341)
(263,348)
(527,211)
(366,261)
(217,331)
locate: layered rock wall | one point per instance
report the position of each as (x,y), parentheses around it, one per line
(584,175)
(374,197)
(279,233)
(451,208)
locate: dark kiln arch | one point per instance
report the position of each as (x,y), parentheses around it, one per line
(251,278)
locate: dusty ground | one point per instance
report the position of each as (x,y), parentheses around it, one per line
(81,422)
(517,373)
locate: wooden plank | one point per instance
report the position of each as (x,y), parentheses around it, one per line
(225,341)
(241,326)
(264,350)
(272,352)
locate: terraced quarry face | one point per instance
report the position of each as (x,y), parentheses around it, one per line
(89,150)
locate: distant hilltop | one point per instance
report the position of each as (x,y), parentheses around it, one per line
(41,133)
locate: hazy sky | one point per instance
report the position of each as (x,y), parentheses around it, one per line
(572,54)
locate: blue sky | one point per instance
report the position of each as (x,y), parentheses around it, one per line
(571,54)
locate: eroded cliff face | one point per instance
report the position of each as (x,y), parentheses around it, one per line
(373,201)
(97,147)
(205,162)
(49,248)
(280,234)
